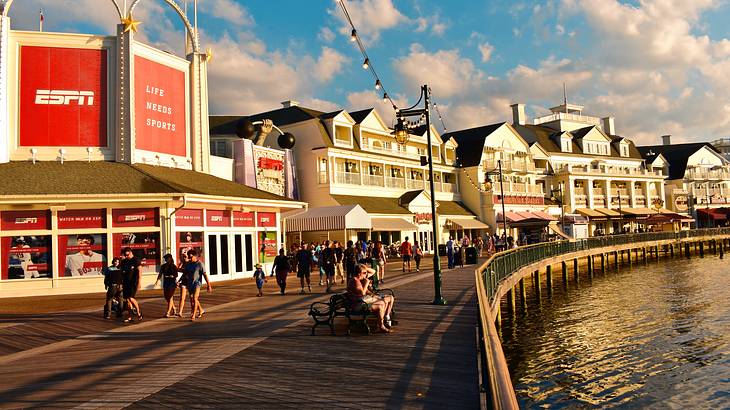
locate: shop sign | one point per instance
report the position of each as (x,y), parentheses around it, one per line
(269,170)
(520,200)
(24,220)
(189,217)
(25,257)
(243,219)
(82,219)
(214,217)
(82,254)
(680,203)
(423,218)
(135,217)
(63,97)
(159,107)
(145,247)
(266,219)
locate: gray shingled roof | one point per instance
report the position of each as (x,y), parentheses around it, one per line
(675,154)
(471,143)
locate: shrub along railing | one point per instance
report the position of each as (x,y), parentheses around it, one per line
(494,375)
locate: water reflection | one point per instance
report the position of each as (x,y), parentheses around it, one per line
(655,335)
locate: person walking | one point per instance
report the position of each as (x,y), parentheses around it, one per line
(378,254)
(194,272)
(339,257)
(281,269)
(406,251)
(450,252)
(113,282)
(304,264)
(132,282)
(181,283)
(168,274)
(260,276)
(328,264)
(417,255)
(350,257)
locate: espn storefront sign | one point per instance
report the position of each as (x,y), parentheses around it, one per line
(63,97)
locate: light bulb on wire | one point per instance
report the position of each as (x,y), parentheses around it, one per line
(353,35)
(378,85)
(385,97)
(366,63)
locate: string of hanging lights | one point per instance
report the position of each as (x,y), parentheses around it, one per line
(366,63)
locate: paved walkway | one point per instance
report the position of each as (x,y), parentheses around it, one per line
(249,352)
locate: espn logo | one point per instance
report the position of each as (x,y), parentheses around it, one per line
(63,97)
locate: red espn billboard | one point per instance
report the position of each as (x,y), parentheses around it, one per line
(160,119)
(63,97)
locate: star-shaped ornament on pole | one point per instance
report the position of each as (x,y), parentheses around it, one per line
(130,23)
(208,54)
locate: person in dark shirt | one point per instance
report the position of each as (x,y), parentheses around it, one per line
(168,274)
(339,256)
(350,259)
(194,272)
(281,269)
(304,266)
(132,281)
(113,283)
(328,264)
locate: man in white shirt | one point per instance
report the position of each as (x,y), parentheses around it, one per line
(86,262)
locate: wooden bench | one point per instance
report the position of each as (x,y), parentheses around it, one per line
(324,313)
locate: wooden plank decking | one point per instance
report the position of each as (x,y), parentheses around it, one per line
(250,352)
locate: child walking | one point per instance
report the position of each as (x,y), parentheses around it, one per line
(260,277)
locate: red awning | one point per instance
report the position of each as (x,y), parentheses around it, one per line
(715,214)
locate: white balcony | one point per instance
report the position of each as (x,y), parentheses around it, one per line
(415,184)
(447,187)
(348,178)
(391,182)
(372,180)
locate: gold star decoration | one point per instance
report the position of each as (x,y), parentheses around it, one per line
(130,23)
(208,54)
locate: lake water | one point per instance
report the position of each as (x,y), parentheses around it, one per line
(656,335)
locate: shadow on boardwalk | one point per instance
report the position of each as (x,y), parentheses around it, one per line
(259,354)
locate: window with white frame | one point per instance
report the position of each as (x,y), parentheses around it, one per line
(565,145)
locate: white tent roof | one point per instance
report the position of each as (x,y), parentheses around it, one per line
(328,218)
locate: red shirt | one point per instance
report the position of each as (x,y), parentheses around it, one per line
(405,248)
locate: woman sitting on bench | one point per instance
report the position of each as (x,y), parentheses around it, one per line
(358,293)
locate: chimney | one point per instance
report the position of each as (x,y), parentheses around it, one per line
(666,140)
(289,103)
(609,128)
(518,114)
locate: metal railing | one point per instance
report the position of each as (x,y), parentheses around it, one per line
(494,371)
(372,180)
(392,182)
(349,178)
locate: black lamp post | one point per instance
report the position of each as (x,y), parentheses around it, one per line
(488,185)
(561,201)
(400,132)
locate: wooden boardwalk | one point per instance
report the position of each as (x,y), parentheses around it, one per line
(250,352)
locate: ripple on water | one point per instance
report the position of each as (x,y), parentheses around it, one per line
(653,336)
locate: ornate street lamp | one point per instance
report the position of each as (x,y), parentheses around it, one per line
(401,135)
(560,199)
(489,186)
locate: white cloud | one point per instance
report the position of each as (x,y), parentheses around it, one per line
(370,17)
(326,34)
(486,50)
(228,10)
(329,64)
(433,22)
(446,71)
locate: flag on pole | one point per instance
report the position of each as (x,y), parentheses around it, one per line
(40,19)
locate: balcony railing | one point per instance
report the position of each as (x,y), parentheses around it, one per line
(448,187)
(415,184)
(373,180)
(707,174)
(391,182)
(601,170)
(349,178)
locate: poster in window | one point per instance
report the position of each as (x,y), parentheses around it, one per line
(189,241)
(144,245)
(26,257)
(267,244)
(82,254)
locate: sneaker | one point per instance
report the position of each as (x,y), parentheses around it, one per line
(418,270)
(310,288)
(302,292)
(107,317)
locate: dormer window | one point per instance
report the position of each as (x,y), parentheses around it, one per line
(565,144)
(343,135)
(624,149)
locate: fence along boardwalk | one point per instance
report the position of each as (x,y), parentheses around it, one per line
(257,353)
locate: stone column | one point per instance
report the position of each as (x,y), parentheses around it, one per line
(199,132)
(607,187)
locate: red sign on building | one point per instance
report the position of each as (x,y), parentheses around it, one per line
(63,97)
(159,107)
(82,219)
(134,217)
(271,163)
(215,217)
(266,219)
(243,219)
(520,200)
(25,220)
(189,217)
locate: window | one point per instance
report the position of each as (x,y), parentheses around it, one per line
(220,148)
(624,150)
(387,145)
(565,145)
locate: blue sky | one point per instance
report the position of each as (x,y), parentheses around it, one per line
(658,66)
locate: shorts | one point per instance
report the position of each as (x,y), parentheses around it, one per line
(329,270)
(406,258)
(192,286)
(129,290)
(259,283)
(304,272)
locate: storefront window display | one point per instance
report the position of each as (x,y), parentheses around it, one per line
(81,255)
(26,257)
(190,241)
(145,247)
(267,245)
